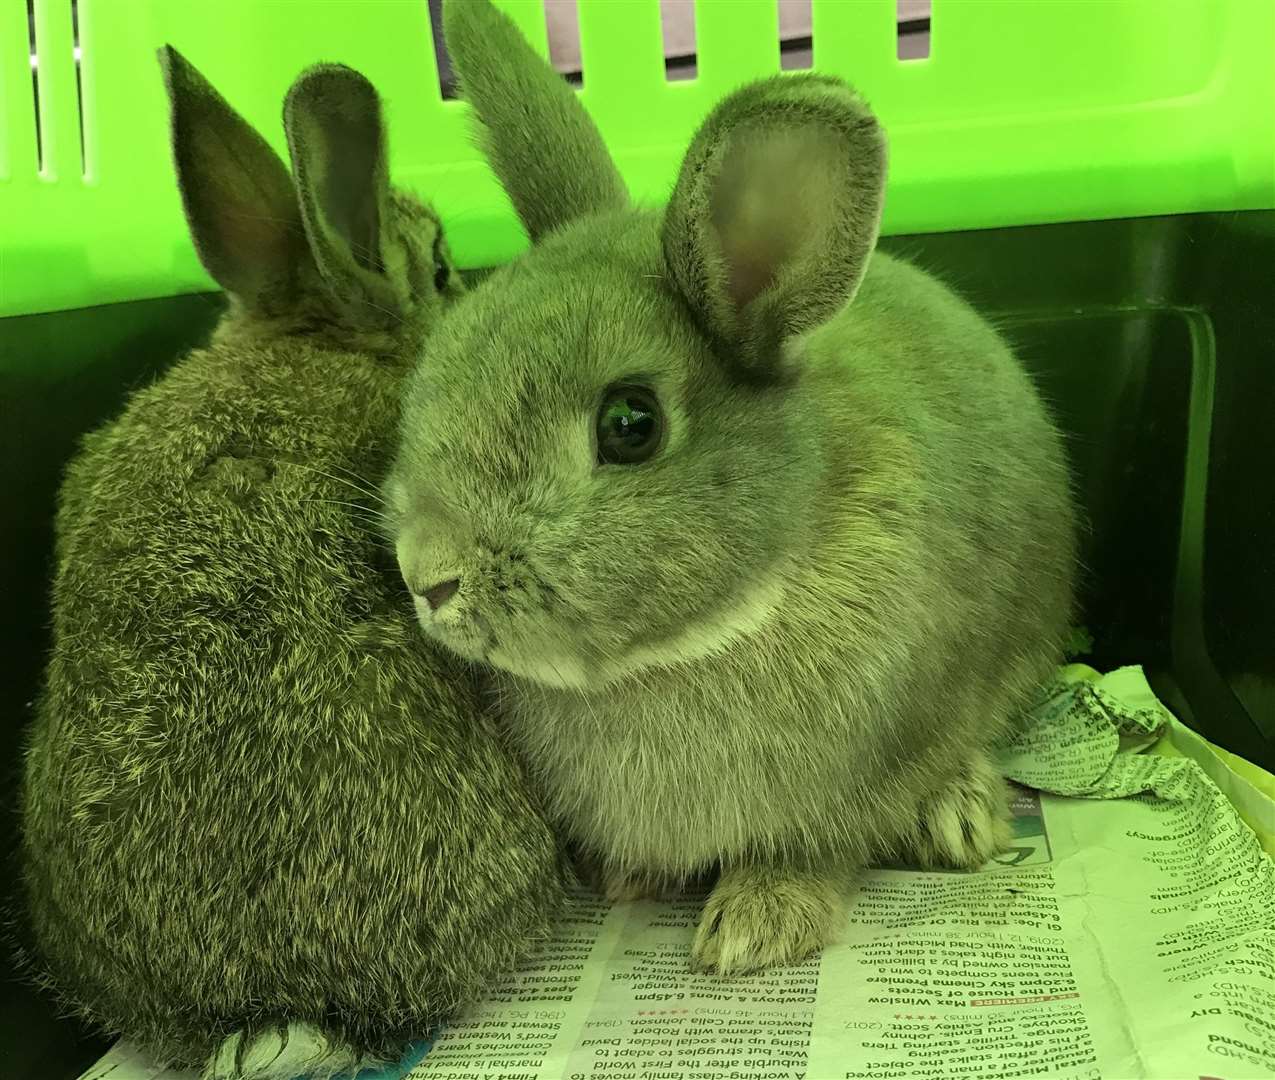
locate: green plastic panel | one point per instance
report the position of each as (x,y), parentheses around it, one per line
(1031,112)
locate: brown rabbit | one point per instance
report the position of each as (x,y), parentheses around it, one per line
(266,829)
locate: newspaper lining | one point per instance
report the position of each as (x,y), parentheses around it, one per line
(1129,931)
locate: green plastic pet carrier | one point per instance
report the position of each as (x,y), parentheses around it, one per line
(1096,175)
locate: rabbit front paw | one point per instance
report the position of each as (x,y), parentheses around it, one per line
(760,917)
(965,823)
(281,1052)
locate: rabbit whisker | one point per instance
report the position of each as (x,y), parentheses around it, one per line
(350,479)
(361,482)
(383,310)
(363,513)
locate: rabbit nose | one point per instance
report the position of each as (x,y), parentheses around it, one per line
(438,595)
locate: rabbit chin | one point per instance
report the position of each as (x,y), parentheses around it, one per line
(548,667)
(711,635)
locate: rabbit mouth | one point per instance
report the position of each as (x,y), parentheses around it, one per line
(470,640)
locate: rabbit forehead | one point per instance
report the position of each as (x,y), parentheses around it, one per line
(574,307)
(507,390)
(533,351)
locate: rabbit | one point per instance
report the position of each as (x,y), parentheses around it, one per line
(762,536)
(267,828)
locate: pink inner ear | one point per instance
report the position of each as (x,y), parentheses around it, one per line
(773,193)
(750,273)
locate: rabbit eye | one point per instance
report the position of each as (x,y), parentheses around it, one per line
(630,426)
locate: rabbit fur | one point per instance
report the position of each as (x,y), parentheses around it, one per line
(781,645)
(267,828)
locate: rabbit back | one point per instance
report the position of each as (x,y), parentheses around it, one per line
(250,780)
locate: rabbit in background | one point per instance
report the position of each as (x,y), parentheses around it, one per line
(763,536)
(266,829)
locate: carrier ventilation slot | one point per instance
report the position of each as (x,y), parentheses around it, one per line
(796,47)
(442,62)
(913,20)
(677,28)
(35,84)
(39,52)
(562,27)
(77,52)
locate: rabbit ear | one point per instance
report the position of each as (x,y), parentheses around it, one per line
(544,148)
(237,194)
(337,141)
(774,215)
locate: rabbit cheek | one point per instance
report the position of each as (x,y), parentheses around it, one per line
(522,615)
